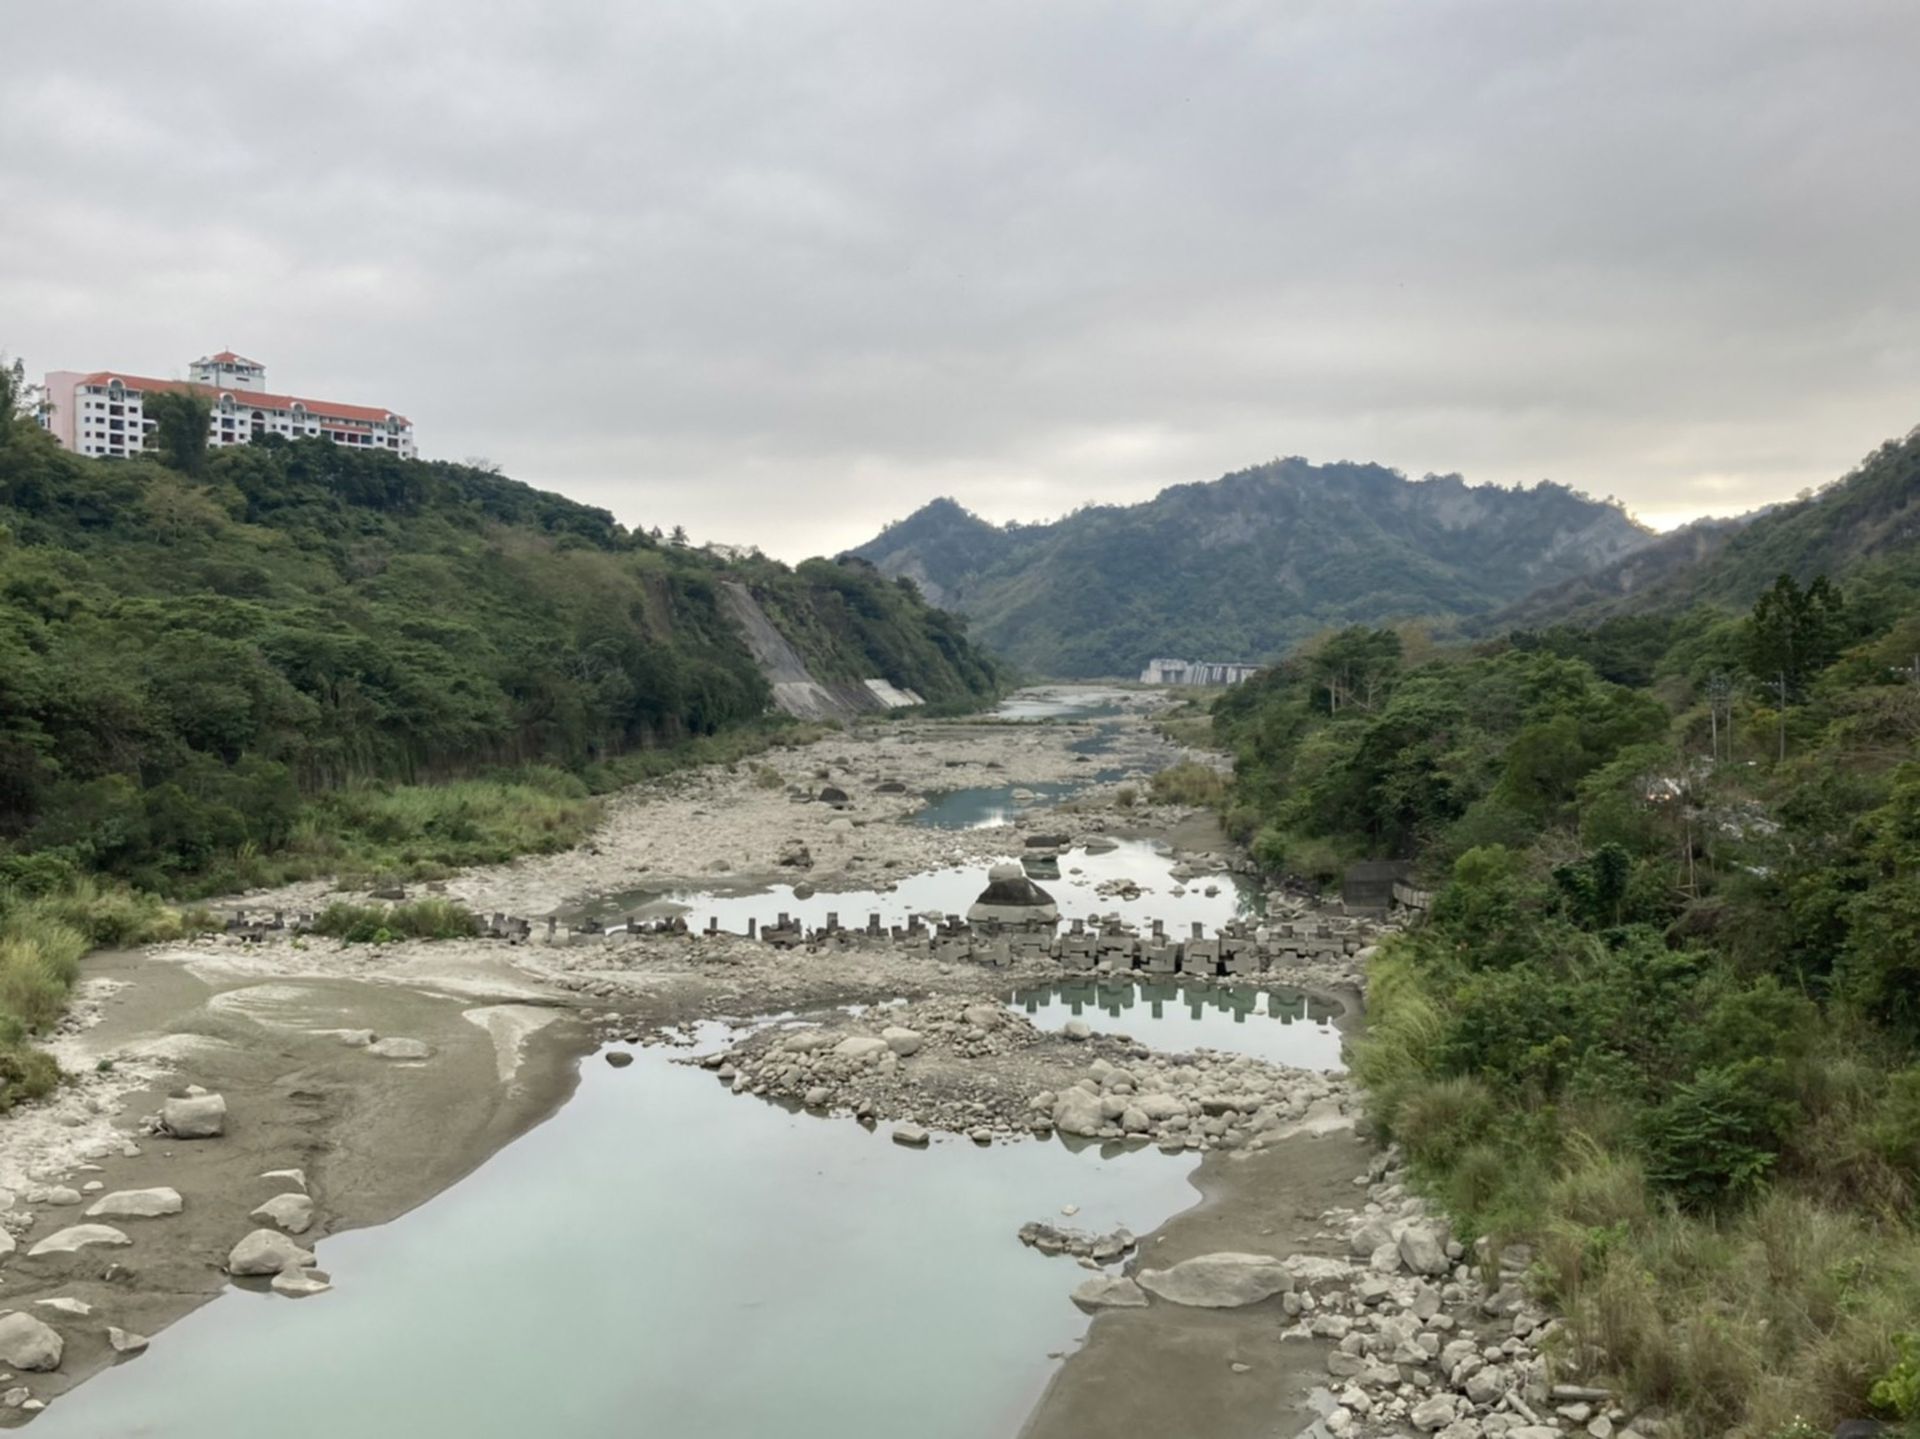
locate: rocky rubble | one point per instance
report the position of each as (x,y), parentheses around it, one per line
(1423,1343)
(973,1066)
(1077,1243)
(1196,1101)
(919,1064)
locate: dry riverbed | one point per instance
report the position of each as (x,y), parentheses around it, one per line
(358,1081)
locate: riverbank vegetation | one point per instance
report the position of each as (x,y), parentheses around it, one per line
(1663,1023)
(42,939)
(227,669)
(291,649)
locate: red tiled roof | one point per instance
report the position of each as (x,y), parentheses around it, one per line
(253,400)
(227,357)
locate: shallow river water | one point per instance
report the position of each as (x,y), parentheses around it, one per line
(663,1257)
(952,890)
(1281,1026)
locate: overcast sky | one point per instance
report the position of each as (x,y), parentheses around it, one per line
(783,271)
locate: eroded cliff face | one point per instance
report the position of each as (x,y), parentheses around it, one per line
(795,689)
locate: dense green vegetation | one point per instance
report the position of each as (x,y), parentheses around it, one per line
(1248,565)
(1664,1019)
(195,667)
(226,669)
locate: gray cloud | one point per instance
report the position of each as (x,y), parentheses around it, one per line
(782,272)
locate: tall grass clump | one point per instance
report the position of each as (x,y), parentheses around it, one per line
(382,924)
(1783,1314)
(1191,730)
(1190,783)
(1405,1026)
(43,937)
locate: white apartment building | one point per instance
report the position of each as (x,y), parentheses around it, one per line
(102,414)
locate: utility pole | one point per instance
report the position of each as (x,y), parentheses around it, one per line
(1783,715)
(1720,697)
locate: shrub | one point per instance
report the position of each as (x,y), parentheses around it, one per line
(1190,783)
(1898,1390)
(1894,1130)
(25,1073)
(1438,1119)
(1719,1136)
(381,924)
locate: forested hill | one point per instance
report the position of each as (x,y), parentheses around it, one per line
(1661,1020)
(190,652)
(1243,567)
(1869,518)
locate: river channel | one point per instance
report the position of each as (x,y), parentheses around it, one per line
(664,1256)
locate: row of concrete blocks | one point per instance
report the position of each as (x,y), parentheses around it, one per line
(1235,949)
(253,930)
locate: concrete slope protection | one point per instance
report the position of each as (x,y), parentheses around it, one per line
(795,690)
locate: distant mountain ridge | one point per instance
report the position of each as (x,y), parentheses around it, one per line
(1243,567)
(1869,516)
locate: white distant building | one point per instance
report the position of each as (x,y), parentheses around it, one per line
(1196,672)
(102,414)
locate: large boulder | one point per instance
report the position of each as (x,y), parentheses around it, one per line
(1011,898)
(136,1204)
(1219,1281)
(1368,1237)
(291,1212)
(1487,1385)
(198,1116)
(1078,1112)
(1423,1250)
(74,1238)
(26,1343)
(267,1251)
(1159,1107)
(901,1040)
(861,1046)
(1431,1414)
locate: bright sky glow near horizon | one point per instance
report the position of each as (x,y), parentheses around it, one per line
(782,273)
